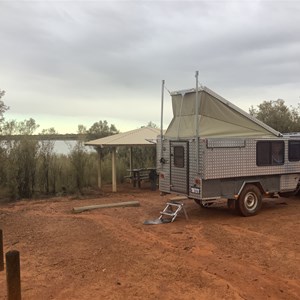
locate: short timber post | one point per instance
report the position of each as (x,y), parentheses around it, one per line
(13,277)
(1,252)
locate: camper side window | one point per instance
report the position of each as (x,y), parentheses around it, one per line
(269,153)
(294,150)
(179,156)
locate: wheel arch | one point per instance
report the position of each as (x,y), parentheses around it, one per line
(257,183)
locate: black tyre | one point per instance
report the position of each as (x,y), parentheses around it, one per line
(250,201)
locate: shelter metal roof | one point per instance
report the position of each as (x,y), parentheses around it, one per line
(138,137)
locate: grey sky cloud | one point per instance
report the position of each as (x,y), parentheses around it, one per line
(95,60)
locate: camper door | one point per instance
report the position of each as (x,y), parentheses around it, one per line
(179,166)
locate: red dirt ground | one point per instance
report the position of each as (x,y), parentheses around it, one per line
(110,254)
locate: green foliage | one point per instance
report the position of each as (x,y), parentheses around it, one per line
(143,157)
(101,129)
(78,159)
(277,115)
(152,125)
(3,161)
(3,107)
(46,164)
(3,157)
(21,159)
(27,127)
(61,180)
(25,153)
(31,168)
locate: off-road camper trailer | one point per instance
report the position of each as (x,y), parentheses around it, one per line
(212,150)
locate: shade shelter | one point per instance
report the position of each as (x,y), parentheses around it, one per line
(144,136)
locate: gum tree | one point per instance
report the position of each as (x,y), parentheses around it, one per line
(277,115)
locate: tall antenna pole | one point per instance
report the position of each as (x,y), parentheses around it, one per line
(197,123)
(162,118)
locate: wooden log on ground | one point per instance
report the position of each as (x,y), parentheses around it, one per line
(118,204)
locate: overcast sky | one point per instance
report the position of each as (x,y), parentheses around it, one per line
(65,63)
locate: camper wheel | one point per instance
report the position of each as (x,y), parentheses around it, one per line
(250,200)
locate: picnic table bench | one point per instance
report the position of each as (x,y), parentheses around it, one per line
(139,175)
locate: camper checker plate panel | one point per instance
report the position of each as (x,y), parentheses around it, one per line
(289,181)
(163,169)
(221,162)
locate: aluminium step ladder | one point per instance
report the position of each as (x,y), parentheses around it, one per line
(172,209)
(170,212)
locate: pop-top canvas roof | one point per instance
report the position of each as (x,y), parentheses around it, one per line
(138,137)
(217,117)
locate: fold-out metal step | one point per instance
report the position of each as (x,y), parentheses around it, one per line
(170,212)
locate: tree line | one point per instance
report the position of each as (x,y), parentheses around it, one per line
(31,168)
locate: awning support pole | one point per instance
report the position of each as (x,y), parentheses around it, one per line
(162,118)
(197,123)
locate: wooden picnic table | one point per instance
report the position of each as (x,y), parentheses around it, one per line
(139,174)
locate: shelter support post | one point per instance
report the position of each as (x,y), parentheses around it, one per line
(130,158)
(130,162)
(99,171)
(114,169)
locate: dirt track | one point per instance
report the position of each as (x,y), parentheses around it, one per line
(109,253)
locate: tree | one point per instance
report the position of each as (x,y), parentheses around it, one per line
(26,157)
(3,158)
(7,174)
(101,129)
(3,108)
(46,156)
(152,125)
(78,159)
(277,115)
(27,127)
(21,159)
